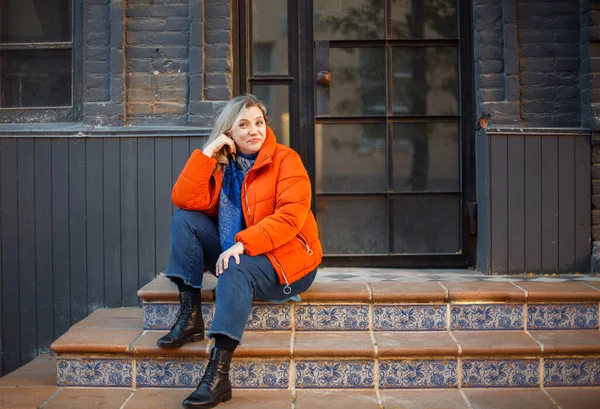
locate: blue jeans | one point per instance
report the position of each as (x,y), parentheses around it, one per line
(195,245)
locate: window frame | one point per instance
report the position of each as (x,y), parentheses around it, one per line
(71,113)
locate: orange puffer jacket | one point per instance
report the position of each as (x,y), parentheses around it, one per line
(276,205)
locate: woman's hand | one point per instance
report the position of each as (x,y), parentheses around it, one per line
(217,145)
(233,251)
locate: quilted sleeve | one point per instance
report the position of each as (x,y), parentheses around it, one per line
(293,193)
(195,188)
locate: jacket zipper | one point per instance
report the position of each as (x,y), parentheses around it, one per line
(302,240)
(287,289)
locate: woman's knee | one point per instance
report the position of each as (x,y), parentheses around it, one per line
(234,276)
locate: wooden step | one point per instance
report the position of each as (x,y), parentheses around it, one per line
(103,351)
(34,385)
(422,306)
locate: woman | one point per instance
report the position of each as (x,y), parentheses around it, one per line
(245,215)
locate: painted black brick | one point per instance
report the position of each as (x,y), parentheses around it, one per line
(549,65)
(157,56)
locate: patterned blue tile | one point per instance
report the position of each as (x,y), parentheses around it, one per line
(409,317)
(562,316)
(332,317)
(334,374)
(270,317)
(185,373)
(262,317)
(161,316)
(418,374)
(94,372)
(260,374)
(169,373)
(571,372)
(486,316)
(500,373)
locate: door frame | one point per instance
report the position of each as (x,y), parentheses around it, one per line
(301,63)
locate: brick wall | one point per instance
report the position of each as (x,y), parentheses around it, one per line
(549,62)
(103,80)
(527,62)
(156,62)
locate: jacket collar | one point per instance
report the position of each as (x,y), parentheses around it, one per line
(265,155)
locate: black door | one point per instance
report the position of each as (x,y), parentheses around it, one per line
(376,97)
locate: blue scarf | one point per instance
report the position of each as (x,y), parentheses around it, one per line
(231,218)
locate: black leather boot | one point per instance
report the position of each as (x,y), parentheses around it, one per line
(215,386)
(189,325)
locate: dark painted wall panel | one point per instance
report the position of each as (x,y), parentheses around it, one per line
(146,214)
(542,223)
(163,183)
(26,226)
(566,204)
(583,217)
(129,221)
(516,203)
(11,345)
(549,204)
(112,223)
(60,236)
(533,200)
(43,247)
(499,203)
(77,230)
(94,188)
(84,224)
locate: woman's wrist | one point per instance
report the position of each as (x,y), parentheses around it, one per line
(208,152)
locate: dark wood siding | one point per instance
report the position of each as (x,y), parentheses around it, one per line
(84,224)
(539,201)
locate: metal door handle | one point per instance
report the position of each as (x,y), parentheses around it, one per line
(323,78)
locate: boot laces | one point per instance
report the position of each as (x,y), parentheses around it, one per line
(183,315)
(209,374)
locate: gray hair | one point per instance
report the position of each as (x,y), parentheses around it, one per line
(230,114)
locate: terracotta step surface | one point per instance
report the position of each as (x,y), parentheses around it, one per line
(404,306)
(123,356)
(33,386)
(119,331)
(161,289)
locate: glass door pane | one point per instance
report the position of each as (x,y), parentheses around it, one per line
(353,225)
(426,157)
(340,148)
(349,20)
(424,81)
(427,224)
(269,37)
(357,81)
(424,19)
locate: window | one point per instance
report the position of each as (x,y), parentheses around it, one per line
(40,65)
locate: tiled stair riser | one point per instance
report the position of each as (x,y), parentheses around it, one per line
(562,316)
(113,371)
(485,317)
(333,373)
(494,373)
(572,371)
(409,317)
(396,317)
(397,374)
(180,373)
(161,316)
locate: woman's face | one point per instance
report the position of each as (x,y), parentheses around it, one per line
(249,131)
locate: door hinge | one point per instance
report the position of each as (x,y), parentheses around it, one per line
(472,214)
